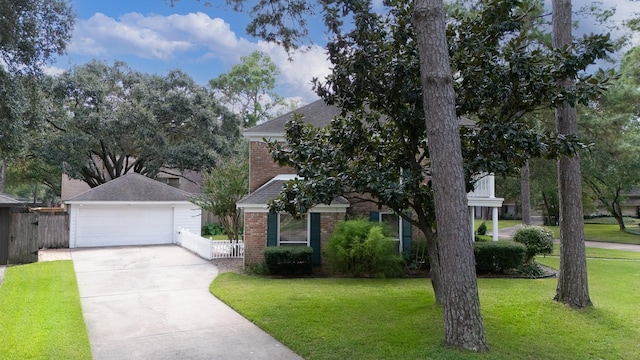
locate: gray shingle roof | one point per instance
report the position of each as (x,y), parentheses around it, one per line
(8,199)
(132,187)
(317,114)
(271,190)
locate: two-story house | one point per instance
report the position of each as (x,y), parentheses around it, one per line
(266,179)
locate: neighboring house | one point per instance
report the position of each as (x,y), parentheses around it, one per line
(130,210)
(266,179)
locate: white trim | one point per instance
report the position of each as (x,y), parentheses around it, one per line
(262,208)
(259,137)
(485,202)
(86,202)
(283,177)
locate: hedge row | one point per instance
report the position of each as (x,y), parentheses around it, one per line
(288,260)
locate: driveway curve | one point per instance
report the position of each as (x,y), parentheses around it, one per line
(153,302)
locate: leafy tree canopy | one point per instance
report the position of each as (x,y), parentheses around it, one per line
(378,145)
(31,33)
(107,121)
(247,89)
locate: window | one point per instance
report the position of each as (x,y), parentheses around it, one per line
(393,222)
(399,229)
(292,231)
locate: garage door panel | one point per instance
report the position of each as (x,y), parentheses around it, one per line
(124,225)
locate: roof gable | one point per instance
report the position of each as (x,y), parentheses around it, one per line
(132,187)
(272,189)
(316,113)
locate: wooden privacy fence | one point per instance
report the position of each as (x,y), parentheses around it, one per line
(210,249)
(29,232)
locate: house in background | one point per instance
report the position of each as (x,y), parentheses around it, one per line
(266,179)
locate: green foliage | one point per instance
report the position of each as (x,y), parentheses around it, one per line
(223,187)
(212,229)
(497,257)
(612,166)
(360,248)
(482,229)
(288,260)
(378,144)
(106,121)
(33,33)
(537,239)
(246,88)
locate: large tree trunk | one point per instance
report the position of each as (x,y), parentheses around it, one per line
(463,325)
(525,194)
(573,288)
(617,214)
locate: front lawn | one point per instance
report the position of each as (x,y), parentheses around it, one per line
(598,253)
(501,224)
(40,313)
(604,232)
(329,318)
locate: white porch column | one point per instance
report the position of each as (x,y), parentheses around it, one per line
(472,220)
(494,222)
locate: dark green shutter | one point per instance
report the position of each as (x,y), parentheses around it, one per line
(272,229)
(314,238)
(407,230)
(374,216)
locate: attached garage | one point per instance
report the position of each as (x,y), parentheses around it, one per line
(130,210)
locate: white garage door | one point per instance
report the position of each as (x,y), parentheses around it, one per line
(124,225)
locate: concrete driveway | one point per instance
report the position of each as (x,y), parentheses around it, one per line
(153,302)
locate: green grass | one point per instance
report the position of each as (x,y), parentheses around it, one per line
(604,232)
(628,221)
(40,313)
(597,253)
(501,223)
(330,318)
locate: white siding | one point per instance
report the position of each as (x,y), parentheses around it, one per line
(113,224)
(186,216)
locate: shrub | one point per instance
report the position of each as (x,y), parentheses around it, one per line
(212,229)
(361,248)
(537,239)
(482,229)
(496,257)
(288,260)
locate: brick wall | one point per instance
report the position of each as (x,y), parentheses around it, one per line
(262,168)
(255,237)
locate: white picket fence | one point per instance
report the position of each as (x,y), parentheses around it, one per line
(210,249)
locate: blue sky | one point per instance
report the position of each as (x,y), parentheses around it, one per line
(153,37)
(204,41)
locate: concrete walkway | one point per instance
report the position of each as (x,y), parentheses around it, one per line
(153,302)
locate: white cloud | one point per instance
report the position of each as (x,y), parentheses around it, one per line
(53,70)
(296,74)
(151,37)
